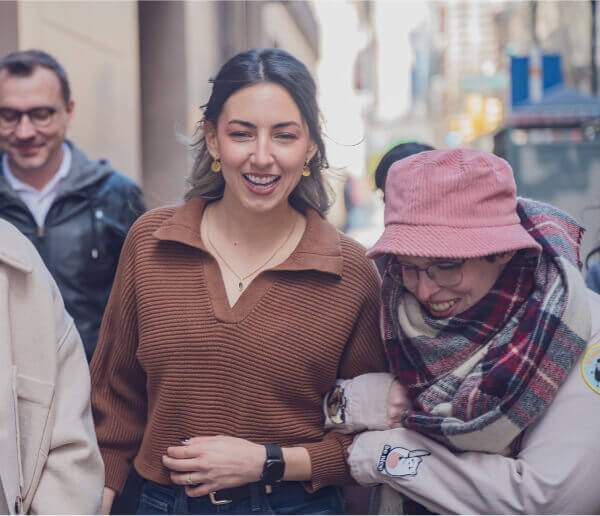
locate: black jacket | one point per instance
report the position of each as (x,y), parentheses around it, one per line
(82,235)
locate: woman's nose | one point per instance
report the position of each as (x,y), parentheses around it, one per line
(262,156)
(426,287)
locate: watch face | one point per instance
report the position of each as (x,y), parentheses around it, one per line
(273,470)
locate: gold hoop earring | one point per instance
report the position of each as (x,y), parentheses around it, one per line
(215,166)
(306,169)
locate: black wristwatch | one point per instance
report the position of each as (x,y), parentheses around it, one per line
(274,465)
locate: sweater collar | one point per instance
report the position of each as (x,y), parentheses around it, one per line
(319,248)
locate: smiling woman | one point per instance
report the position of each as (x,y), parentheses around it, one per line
(485,317)
(262,142)
(231,315)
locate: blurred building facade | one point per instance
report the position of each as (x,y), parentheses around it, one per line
(479,39)
(460,63)
(139,70)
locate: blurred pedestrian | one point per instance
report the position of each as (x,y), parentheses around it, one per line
(485,316)
(49,458)
(74,210)
(396,153)
(233,314)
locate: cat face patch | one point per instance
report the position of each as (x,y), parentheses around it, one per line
(401,462)
(336,406)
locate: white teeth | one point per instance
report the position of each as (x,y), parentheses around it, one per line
(261,180)
(441,307)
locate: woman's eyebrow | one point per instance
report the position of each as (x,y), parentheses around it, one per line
(285,124)
(242,122)
(250,125)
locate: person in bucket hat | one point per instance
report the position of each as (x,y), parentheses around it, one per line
(484,318)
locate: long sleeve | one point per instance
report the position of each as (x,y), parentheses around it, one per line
(364,353)
(73,474)
(118,382)
(555,472)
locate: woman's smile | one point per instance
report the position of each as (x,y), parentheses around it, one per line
(442,309)
(261,184)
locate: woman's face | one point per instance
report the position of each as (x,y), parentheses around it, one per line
(476,277)
(262,141)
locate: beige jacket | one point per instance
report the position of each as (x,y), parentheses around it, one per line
(49,458)
(555,472)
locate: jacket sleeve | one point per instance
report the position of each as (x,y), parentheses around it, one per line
(363,353)
(73,476)
(555,472)
(119,396)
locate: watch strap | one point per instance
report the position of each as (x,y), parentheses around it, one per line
(274,452)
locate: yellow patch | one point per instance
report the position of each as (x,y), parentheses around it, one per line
(590,368)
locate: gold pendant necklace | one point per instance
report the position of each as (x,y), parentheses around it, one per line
(241,279)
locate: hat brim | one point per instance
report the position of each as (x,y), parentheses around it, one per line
(451,242)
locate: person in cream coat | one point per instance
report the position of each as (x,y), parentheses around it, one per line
(50,462)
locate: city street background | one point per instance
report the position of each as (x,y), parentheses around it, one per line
(516,78)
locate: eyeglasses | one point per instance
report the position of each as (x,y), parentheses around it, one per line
(39,116)
(445,274)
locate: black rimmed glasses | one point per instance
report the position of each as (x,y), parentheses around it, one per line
(39,116)
(443,273)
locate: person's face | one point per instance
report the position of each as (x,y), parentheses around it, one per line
(475,278)
(30,148)
(262,141)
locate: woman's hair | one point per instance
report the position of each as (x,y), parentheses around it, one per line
(400,151)
(279,67)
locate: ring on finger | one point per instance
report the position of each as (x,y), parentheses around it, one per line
(189,479)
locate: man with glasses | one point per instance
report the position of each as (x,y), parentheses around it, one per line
(75,211)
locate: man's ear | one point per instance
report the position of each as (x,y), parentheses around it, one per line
(69,109)
(210,137)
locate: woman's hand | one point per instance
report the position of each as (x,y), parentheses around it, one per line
(206,464)
(398,403)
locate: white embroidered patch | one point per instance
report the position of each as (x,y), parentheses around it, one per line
(590,368)
(400,462)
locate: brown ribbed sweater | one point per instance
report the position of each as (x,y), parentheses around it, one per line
(175,360)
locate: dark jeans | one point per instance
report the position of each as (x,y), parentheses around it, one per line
(128,500)
(292,499)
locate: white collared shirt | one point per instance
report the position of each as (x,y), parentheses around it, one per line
(39,201)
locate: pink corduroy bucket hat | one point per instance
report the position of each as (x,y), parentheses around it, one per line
(458,203)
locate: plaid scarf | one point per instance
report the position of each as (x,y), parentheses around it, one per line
(479,378)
